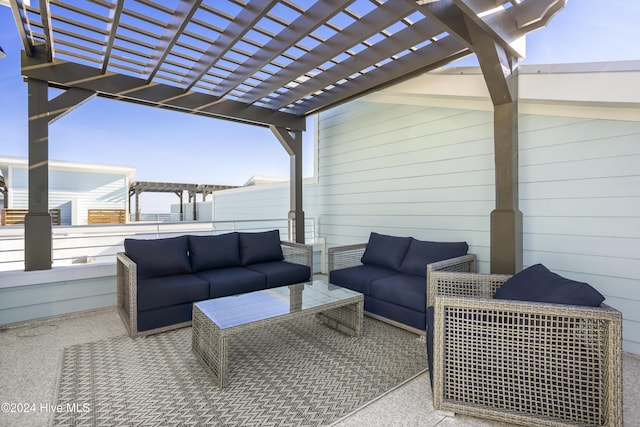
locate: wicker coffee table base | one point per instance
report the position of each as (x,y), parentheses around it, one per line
(210,343)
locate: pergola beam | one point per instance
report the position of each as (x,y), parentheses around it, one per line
(179,21)
(112,28)
(425,59)
(45,16)
(66,75)
(19,11)
(414,34)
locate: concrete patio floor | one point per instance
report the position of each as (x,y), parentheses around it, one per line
(30,355)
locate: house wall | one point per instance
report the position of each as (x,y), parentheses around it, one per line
(405,170)
(428,172)
(74,192)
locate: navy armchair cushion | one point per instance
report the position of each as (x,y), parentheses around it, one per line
(538,284)
(260,247)
(209,252)
(159,257)
(385,251)
(421,253)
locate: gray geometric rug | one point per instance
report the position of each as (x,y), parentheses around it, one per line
(296,373)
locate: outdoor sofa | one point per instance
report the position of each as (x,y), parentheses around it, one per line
(532,349)
(160,279)
(392,274)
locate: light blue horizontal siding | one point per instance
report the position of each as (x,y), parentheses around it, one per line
(404,170)
(428,173)
(580,196)
(24,303)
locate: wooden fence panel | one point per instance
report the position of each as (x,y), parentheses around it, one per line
(107,216)
(12,216)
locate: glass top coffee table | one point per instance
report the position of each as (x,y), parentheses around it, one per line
(217,320)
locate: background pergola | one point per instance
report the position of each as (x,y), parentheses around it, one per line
(138,187)
(267,63)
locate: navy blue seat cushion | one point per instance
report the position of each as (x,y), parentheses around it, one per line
(359,278)
(159,257)
(208,252)
(282,273)
(260,247)
(538,284)
(165,291)
(385,251)
(232,281)
(402,289)
(161,317)
(395,312)
(422,252)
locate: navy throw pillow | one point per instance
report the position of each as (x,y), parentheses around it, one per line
(385,251)
(421,253)
(159,257)
(538,284)
(209,252)
(260,247)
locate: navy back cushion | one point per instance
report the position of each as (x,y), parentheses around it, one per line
(538,284)
(159,257)
(421,253)
(260,247)
(385,251)
(209,252)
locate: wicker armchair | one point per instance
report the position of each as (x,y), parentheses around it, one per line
(522,362)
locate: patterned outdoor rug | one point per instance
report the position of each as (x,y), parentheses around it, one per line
(295,373)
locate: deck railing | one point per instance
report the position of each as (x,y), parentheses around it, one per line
(99,243)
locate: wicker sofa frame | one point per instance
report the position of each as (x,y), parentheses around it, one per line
(350,256)
(523,362)
(127,284)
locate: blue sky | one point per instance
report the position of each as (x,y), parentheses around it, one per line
(176,147)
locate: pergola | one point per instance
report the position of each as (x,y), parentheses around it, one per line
(138,187)
(267,63)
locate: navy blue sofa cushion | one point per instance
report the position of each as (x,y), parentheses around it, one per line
(359,278)
(159,257)
(171,290)
(208,252)
(385,251)
(282,273)
(421,253)
(401,289)
(538,284)
(232,280)
(260,247)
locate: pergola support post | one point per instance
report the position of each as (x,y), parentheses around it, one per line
(38,233)
(292,143)
(501,76)
(37,222)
